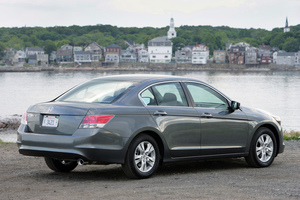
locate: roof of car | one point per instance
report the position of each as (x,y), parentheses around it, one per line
(144,77)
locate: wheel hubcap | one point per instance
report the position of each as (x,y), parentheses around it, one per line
(264,148)
(144,156)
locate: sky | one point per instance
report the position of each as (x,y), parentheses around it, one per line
(264,14)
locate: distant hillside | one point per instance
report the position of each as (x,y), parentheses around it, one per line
(213,37)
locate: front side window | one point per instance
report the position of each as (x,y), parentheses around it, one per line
(206,97)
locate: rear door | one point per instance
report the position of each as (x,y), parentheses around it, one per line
(222,131)
(179,123)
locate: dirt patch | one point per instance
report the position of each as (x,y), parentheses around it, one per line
(23,177)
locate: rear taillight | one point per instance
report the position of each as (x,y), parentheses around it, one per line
(95,121)
(24,118)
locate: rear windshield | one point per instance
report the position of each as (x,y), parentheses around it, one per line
(98,91)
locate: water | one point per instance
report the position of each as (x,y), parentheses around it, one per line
(276,92)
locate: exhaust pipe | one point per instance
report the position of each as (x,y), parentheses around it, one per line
(81,162)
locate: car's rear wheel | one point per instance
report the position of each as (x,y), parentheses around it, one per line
(59,165)
(142,157)
(263,148)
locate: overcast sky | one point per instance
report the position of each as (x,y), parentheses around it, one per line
(265,14)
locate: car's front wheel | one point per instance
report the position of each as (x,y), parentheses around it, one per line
(142,157)
(59,165)
(263,148)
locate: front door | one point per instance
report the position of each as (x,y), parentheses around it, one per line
(222,131)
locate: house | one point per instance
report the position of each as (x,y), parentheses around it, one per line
(21,56)
(160,50)
(237,54)
(67,47)
(52,58)
(219,56)
(128,55)
(288,58)
(112,53)
(251,56)
(96,51)
(32,60)
(82,57)
(42,60)
(64,55)
(183,55)
(265,59)
(200,54)
(10,56)
(33,51)
(143,56)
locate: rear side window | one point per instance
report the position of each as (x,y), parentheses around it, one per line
(165,94)
(97,91)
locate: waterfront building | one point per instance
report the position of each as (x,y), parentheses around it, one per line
(112,53)
(183,55)
(10,56)
(286,28)
(64,55)
(96,51)
(219,56)
(251,56)
(288,58)
(82,57)
(237,54)
(172,31)
(33,51)
(42,60)
(200,54)
(128,55)
(160,50)
(143,56)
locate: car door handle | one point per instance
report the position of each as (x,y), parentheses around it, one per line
(206,115)
(159,112)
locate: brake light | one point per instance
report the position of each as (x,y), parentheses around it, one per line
(95,121)
(24,118)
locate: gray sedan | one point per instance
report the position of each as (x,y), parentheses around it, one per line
(141,121)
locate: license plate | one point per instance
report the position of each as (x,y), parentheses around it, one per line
(50,121)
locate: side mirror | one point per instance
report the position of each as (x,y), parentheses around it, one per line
(235,105)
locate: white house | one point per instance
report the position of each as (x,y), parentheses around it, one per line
(200,54)
(143,56)
(288,58)
(160,50)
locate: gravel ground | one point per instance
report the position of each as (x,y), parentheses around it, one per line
(23,177)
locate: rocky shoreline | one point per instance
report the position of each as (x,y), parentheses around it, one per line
(12,122)
(153,67)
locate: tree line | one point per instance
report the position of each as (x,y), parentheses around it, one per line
(52,38)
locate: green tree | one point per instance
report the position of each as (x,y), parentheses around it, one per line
(291,45)
(178,43)
(2,49)
(49,46)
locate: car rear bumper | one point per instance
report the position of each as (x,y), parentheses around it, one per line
(91,145)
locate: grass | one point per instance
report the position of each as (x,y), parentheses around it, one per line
(291,135)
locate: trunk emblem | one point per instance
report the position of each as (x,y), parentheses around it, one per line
(50,109)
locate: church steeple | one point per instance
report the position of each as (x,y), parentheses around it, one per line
(171,32)
(286,28)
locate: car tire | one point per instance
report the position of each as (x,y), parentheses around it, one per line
(263,148)
(58,165)
(142,158)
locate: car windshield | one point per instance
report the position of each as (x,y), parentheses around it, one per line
(96,91)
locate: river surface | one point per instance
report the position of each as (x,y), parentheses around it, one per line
(276,92)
